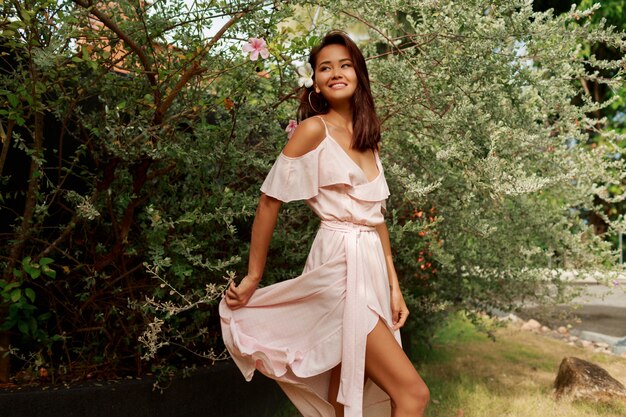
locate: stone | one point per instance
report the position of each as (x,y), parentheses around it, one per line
(510,317)
(619,347)
(531,324)
(573,339)
(602,345)
(563,330)
(586,343)
(584,380)
(545,329)
(623,355)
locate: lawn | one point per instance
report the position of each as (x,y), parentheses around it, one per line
(470,375)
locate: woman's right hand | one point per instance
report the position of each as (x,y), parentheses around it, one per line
(238,296)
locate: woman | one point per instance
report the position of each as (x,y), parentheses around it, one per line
(323,334)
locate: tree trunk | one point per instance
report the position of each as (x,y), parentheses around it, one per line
(5,137)
(23,234)
(5,360)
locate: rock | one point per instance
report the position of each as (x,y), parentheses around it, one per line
(619,347)
(510,317)
(586,343)
(545,329)
(623,355)
(602,345)
(573,339)
(584,380)
(531,324)
(563,330)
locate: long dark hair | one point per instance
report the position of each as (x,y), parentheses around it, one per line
(366,126)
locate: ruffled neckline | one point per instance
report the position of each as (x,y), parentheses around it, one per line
(343,151)
(360,172)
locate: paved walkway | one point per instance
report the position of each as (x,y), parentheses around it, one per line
(598,309)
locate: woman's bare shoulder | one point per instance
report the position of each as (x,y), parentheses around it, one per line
(307,136)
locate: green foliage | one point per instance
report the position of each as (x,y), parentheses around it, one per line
(134,152)
(19,294)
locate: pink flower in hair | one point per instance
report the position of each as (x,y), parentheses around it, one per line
(256,46)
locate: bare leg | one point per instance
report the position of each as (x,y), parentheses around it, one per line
(388,366)
(333,389)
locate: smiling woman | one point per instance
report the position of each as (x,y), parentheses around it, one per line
(336,78)
(323,334)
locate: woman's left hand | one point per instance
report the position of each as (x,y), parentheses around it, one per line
(399,310)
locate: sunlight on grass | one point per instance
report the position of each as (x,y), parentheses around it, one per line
(512,377)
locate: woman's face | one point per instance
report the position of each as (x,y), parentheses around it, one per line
(335,77)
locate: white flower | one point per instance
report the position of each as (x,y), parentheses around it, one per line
(306,75)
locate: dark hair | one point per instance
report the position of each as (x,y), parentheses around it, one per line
(365,123)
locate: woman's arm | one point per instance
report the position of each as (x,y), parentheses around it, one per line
(399,310)
(306,137)
(262,229)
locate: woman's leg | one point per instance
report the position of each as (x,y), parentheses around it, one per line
(333,390)
(389,367)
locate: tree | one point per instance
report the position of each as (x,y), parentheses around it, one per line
(611,115)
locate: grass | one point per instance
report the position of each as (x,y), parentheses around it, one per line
(469,375)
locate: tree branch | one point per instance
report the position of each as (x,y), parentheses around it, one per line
(143,58)
(194,70)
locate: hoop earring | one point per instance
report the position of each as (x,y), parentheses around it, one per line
(311,104)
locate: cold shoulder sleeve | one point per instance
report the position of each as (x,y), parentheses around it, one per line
(293,178)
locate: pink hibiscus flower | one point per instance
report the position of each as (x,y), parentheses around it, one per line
(291,127)
(256,46)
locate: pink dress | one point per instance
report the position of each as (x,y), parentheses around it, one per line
(297,330)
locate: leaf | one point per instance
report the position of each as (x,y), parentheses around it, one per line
(23,327)
(13,100)
(30,293)
(16,295)
(50,272)
(35,274)
(25,15)
(45,261)
(11,286)
(28,269)
(32,324)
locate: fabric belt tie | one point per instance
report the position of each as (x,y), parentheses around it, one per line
(354,325)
